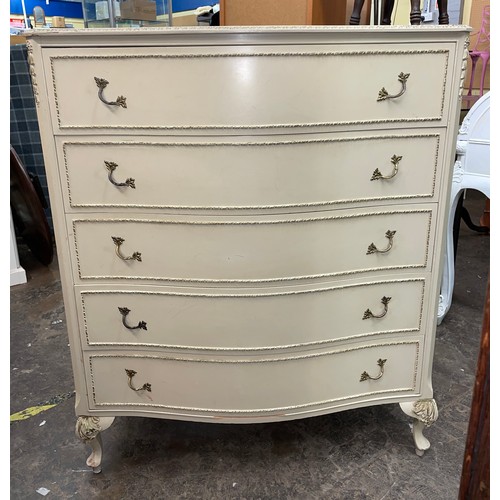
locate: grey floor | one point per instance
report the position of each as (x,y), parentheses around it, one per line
(358,454)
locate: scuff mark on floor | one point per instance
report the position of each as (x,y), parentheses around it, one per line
(39,408)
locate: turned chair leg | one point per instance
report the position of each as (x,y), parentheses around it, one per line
(356,12)
(484,59)
(387,12)
(415,13)
(443,12)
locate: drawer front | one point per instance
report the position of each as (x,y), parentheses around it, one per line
(244,387)
(276,319)
(317,170)
(198,89)
(259,250)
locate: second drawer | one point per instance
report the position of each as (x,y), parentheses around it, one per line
(264,173)
(249,320)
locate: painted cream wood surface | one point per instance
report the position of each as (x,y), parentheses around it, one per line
(252,152)
(248,87)
(252,385)
(290,171)
(267,319)
(254,250)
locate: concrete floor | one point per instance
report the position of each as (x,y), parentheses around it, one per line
(357,454)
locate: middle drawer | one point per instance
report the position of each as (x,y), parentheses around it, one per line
(253,250)
(249,320)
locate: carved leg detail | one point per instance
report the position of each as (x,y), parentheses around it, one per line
(89,429)
(424,413)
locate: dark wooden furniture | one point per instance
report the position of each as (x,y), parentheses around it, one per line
(475,481)
(27,205)
(388,6)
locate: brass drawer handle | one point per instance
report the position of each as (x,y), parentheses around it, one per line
(130,374)
(118,243)
(373,249)
(102,84)
(368,314)
(111,167)
(366,375)
(124,311)
(395,164)
(383,94)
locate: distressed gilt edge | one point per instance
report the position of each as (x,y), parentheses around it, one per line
(87,427)
(32,72)
(290,126)
(436,162)
(254,207)
(319,343)
(267,280)
(465,58)
(416,343)
(211,55)
(426,260)
(270,280)
(246,296)
(270,29)
(445,77)
(66,144)
(253,222)
(258,126)
(426,411)
(250,412)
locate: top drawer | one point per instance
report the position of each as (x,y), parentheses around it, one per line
(194,89)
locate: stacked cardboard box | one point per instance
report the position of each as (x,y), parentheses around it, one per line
(139,10)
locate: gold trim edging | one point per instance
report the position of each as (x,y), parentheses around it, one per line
(266,410)
(266,280)
(31,65)
(247,296)
(258,126)
(249,144)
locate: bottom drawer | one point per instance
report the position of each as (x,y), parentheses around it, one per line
(227,386)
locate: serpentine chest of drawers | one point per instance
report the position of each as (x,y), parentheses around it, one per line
(249,221)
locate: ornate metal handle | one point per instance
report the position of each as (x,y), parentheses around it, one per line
(369,314)
(366,375)
(102,84)
(130,374)
(118,242)
(395,163)
(373,249)
(124,312)
(111,166)
(383,94)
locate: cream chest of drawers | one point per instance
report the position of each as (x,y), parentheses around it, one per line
(249,222)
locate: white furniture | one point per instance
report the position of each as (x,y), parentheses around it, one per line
(471,171)
(17,273)
(249,220)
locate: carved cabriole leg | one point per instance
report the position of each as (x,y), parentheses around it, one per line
(424,413)
(89,429)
